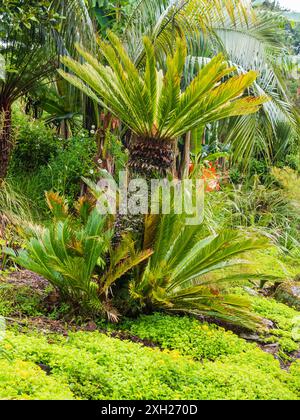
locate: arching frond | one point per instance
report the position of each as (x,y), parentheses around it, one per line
(163,21)
(152,103)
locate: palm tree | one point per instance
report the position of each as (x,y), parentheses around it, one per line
(151,103)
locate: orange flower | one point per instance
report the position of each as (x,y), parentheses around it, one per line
(211,178)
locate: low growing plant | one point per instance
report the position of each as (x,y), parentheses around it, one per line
(72,254)
(97,367)
(178,277)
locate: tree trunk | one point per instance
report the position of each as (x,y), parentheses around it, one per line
(148,159)
(151,158)
(5,139)
(89,117)
(186,157)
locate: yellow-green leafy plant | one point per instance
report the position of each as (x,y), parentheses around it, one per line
(290,181)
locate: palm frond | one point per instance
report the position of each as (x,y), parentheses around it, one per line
(122,90)
(177,275)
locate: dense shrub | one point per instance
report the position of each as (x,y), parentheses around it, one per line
(64,171)
(99,367)
(42,162)
(35,145)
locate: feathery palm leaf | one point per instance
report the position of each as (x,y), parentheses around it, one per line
(71,255)
(152,105)
(176,277)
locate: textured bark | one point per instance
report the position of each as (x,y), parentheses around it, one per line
(5,139)
(148,158)
(186,160)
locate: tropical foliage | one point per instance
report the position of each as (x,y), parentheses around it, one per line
(100,102)
(69,253)
(153,106)
(178,277)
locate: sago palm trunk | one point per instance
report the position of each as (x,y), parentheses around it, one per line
(149,158)
(5,139)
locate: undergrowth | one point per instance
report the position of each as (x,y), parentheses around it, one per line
(99,367)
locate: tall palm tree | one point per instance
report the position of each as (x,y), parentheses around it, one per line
(258,45)
(164,20)
(151,103)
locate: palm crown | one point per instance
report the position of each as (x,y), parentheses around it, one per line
(151,103)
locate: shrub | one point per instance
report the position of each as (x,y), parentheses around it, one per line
(265,208)
(290,181)
(42,162)
(35,145)
(64,171)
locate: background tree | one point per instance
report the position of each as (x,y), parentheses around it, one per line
(28,55)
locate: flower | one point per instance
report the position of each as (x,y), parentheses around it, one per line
(211,178)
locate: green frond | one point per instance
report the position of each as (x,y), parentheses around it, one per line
(188,263)
(151,103)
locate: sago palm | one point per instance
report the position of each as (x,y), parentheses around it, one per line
(72,255)
(249,38)
(189,264)
(152,105)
